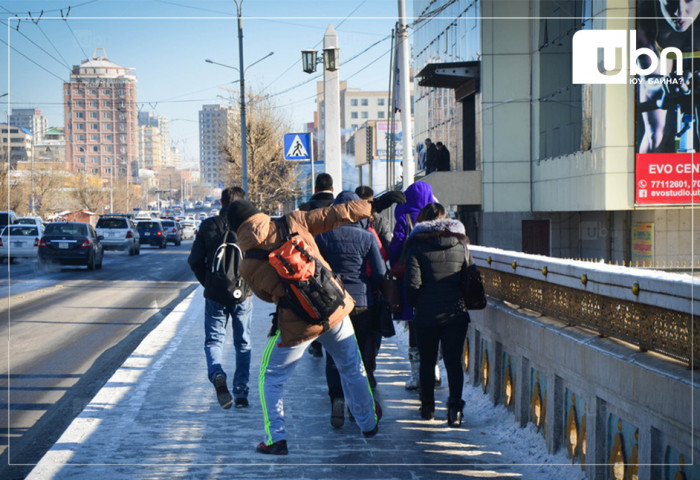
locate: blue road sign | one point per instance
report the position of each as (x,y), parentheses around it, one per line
(297,146)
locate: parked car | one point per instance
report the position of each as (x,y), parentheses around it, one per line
(201,216)
(152,232)
(71,243)
(36,221)
(189,230)
(119,233)
(8,218)
(19,241)
(172,231)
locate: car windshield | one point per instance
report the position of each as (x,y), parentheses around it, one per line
(111,223)
(17,231)
(26,221)
(148,225)
(65,229)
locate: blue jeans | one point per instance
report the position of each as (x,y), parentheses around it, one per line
(216,318)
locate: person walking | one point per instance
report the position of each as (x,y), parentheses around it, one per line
(349,250)
(436,251)
(377,222)
(291,335)
(443,160)
(418,195)
(431,157)
(322,197)
(219,310)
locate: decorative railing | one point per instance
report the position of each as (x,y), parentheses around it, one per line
(656,311)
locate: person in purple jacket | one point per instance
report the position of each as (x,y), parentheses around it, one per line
(418,195)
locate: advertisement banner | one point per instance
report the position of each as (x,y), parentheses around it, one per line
(643,243)
(667,178)
(667,104)
(383,133)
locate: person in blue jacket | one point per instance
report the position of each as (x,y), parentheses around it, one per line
(349,250)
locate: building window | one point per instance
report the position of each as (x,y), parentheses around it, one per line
(79,91)
(96,149)
(108,126)
(95,159)
(94,126)
(108,138)
(380,102)
(108,114)
(364,115)
(107,91)
(94,138)
(80,126)
(107,103)
(81,149)
(353,114)
(80,103)
(81,138)
(93,92)
(353,102)
(79,114)
(364,102)
(121,93)
(109,149)
(81,159)
(380,114)
(94,115)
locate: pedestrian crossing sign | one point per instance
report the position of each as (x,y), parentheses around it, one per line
(297,146)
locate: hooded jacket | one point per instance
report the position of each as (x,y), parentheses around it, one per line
(435,254)
(259,231)
(348,249)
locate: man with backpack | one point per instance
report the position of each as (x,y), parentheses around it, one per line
(214,259)
(292,330)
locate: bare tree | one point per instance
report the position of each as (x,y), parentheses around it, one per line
(272,181)
(90,194)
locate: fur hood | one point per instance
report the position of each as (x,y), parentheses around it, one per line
(441,227)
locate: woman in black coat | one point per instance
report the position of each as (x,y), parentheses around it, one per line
(436,250)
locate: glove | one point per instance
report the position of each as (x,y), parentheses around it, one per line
(388,199)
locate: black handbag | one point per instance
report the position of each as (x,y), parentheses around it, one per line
(473,288)
(383,321)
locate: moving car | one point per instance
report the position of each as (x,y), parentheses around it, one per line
(189,230)
(152,232)
(19,241)
(8,218)
(119,233)
(71,243)
(37,221)
(172,231)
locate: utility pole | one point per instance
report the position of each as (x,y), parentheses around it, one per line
(409,170)
(241,71)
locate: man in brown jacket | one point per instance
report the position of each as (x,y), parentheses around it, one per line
(292,334)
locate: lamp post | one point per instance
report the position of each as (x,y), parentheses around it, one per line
(331,98)
(241,71)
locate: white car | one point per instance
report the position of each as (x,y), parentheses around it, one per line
(32,221)
(19,241)
(189,229)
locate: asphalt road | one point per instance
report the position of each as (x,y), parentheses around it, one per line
(66,332)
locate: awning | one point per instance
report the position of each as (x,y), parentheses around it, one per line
(460,76)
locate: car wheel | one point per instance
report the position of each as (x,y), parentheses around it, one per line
(138,250)
(91,262)
(131,250)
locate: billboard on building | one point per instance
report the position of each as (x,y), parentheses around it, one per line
(667,171)
(384,133)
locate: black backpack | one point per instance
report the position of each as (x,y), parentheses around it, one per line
(225,284)
(313,291)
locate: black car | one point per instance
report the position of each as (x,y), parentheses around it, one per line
(151,232)
(71,243)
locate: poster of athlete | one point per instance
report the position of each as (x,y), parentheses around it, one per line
(666,170)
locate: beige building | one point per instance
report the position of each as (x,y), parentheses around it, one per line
(150,142)
(101,118)
(19,148)
(215,125)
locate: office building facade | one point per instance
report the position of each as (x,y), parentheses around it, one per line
(216,123)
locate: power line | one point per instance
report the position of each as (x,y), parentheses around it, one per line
(85,55)
(38,65)
(37,45)
(49,40)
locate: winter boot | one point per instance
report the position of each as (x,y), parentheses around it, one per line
(414,357)
(427,410)
(454,412)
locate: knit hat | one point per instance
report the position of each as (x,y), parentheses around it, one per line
(238,212)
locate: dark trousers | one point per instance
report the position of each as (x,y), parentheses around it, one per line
(361,318)
(451,336)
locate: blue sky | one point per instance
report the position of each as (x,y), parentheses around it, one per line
(166,42)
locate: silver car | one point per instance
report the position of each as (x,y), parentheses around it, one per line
(119,233)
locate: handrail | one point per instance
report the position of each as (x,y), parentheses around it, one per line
(653,310)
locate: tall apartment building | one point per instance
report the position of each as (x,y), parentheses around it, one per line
(150,143)
(148,119)
(101,119)
(215,125)
(30,119)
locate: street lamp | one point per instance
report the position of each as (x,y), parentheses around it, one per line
(241,71)
(331,97)
(329,58)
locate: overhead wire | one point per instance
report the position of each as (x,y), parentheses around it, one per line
(37,45)
(49,40)
(35,63)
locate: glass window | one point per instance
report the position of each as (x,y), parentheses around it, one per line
(93,103)
(364,115)
(353,114)
(80,126)
(364,102)
(108,114)
(79,103)
(81,159)
(108,126)
(79,114)
(93,92)
(380,101)
(353,102)
(380,114)
(95,159)
(94,126)
(107,103)
(96,148)
(107,91)
(94,115)
(94,138)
